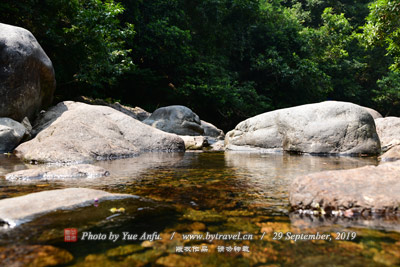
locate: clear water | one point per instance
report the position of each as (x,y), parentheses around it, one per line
(196,193)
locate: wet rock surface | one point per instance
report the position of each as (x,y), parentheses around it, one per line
(45,173)
(11,134)
(375,189)
(176,119)
(327,128)
(27,80)
(17,210)
(73,132)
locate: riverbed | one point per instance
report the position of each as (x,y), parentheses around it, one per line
(183,197)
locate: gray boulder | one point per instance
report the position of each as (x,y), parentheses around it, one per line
(73,132)
(27,80)
(371,188)
(375,114)
(388,130)
(17,210)
(176,119)
(44,173)
(328,128)
(212,131)
(11,134)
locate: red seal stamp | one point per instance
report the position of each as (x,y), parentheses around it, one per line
(70,235)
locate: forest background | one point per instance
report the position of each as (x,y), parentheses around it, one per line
(225,59)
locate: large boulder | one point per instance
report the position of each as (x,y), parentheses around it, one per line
(27,80)
(11,133)
(326,127)
(17,210)
(73,132)
(371,188)
(388,130)
(176,119)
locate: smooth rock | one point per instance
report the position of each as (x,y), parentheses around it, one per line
(194,142)
(44,173)
(74,132)
(388,130)
(17,210)
(392,154)
(369,187)
(176,119)
(217,146)
(211,130)
(329,127)
(375,114)
(11,134)
(27,80)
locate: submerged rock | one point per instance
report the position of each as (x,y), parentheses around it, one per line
(176,119)
(328,128)
(27,80)
(17,210)
(388,130)
(11,134)
(372,188)
(43,173)
(34,255)
(73,132)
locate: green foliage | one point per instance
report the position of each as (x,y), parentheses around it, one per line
(225,59)
(84,39)
(97,41)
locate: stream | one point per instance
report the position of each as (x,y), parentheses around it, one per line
(185,198)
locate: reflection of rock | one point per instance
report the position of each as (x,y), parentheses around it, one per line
(271,174)
(375,114)
(27,80)
(392,154)
(73,132)
(369,187)
(10,163)
(17,210)
(44,173)
(327,127)
(391,223)
(388,130)
(176,119)
(11,133)
(34,255)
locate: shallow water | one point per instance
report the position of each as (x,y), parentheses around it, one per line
(196,193)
